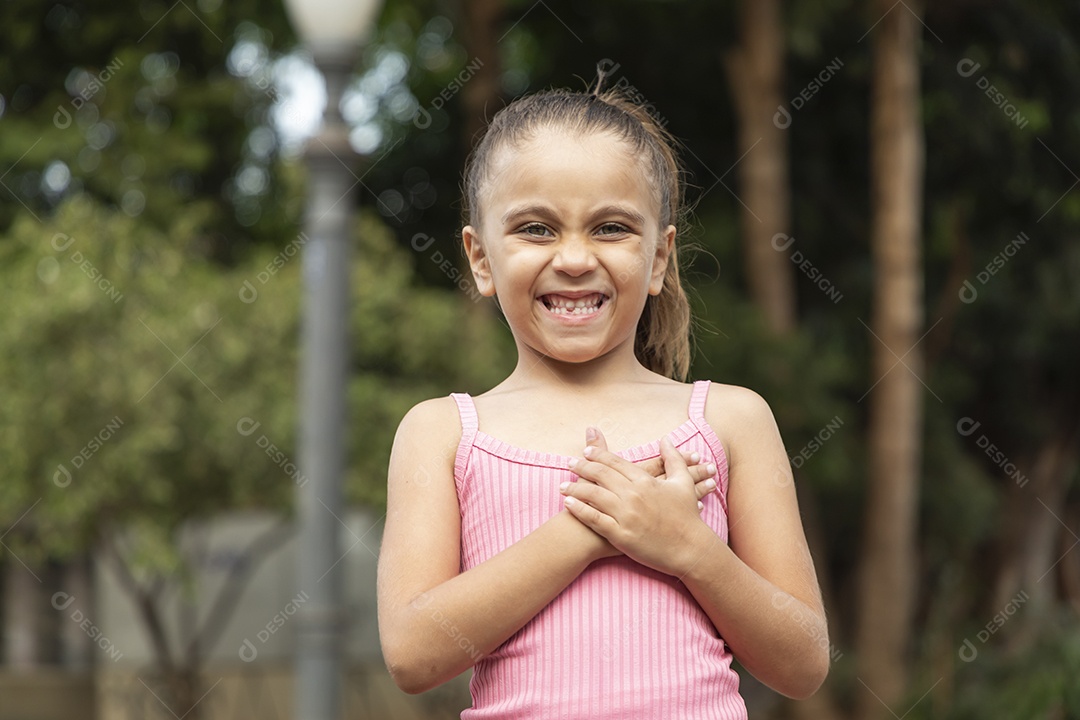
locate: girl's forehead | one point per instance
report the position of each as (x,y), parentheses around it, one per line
(569,165)
(554,142)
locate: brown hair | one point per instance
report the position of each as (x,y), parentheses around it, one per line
(662,343)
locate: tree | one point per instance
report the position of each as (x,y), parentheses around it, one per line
(168,364)
(755,71)
(92,115)
(888,574)
(483,22)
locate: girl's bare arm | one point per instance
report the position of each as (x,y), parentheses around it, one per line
(761,590)
(434,623)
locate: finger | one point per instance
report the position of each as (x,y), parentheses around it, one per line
(594,495)
(594,437)
(596,473)
(674,465)
(592,518)
(701,473)
(704,488)
(619,464)
(655,466)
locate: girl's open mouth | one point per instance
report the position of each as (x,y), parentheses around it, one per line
(562,305)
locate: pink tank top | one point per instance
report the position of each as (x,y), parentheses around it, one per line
(622,641)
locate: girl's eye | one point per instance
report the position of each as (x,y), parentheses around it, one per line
(612,229)
(535,230)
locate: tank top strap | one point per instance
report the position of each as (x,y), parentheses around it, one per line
(469,425)
(697,401)
(697,415)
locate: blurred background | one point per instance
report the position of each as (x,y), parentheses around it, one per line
(884,245)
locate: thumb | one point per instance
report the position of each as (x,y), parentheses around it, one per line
(594,437)
(674,464)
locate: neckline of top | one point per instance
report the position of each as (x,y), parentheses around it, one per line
(547,459)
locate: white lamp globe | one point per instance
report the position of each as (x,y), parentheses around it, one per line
(333,23)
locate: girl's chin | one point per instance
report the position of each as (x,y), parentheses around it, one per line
(570,354)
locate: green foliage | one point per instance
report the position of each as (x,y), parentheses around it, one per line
(1035,678)
(135,107)
(116,324)
(145,390)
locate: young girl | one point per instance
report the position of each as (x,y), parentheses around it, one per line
(594,536)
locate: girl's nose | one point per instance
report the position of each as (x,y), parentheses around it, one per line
(574,256)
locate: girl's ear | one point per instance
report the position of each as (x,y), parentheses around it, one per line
(478,261)
(665,244)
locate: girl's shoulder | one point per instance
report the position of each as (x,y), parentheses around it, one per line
(734,398)
(735,411)
(436,422)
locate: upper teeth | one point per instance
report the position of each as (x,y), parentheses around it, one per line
(589,301)
(557,302)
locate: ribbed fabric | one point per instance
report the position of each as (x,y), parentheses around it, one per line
(621,642)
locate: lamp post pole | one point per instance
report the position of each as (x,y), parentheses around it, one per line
(333,30)
(323,393)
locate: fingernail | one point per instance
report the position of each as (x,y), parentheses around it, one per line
(700,505)
(590,434)
(710,483)
(569,501)
(711,469)
(588,451)
(695,458)
(572,462)
(564,486)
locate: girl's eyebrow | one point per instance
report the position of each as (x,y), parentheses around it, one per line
(625,213)
(547,213)
(515,213)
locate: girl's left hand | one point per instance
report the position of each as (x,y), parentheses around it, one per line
(653,520)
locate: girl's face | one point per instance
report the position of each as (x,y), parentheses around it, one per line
(570,242)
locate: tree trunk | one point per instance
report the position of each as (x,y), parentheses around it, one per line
(480,95)
(755,71)
(23,602)
(179,664)
(480,101)
(76,646)
(1070,563)
(1034,513)
(887,573)
(756,74)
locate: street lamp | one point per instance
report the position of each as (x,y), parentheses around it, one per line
(332,31)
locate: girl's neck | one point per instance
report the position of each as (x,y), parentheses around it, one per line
(615,369)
